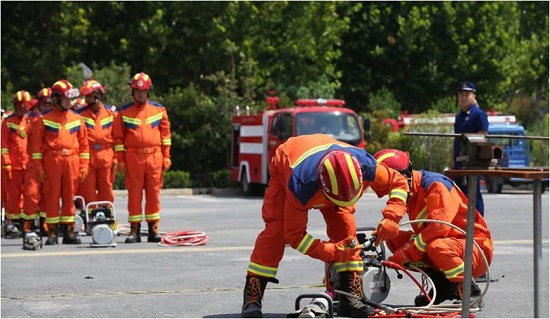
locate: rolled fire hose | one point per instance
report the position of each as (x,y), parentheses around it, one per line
(184,238)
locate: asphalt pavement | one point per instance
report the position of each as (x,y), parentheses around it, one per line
(145,280)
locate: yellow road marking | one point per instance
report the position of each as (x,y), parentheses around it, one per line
(112,251)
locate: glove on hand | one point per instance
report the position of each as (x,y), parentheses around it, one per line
(406,254)
(167,163)
(82,174)
(387,229)
(7,169)
(346,249)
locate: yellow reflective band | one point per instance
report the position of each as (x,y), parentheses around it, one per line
(37,156)
(342,203)
(131,120)
(28,217)
(72,124)
(19,96)
(420,243)
(153,118)
(305,243)
(350,163)
(454,272)
(51,124)
(12,125)
(68,219)
(106,120)
(352,265)
(311,152)
(84,155)
(399,193)
(5,150)
(134,219)
(153,216)
(422,215)
(331,176)
(53,220)
(89,121)
(42,214)
(383,157)
(265,271)
(22,132)
(119,148)
(166,141)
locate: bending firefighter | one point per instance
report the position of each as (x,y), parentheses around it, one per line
(59,148)
(317,171)
(142,145)
(439,247)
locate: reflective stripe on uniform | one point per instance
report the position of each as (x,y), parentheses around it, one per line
(67,219)
(452,273)
(352,265)
(420,243)
(305,243)
(399,193)
(422,215)
(264,271)
(153,216)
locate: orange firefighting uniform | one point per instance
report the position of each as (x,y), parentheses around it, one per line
(142,141)
(14,154)
(98,185)
(439,246)
(60,148)
(33,198)
(293,189)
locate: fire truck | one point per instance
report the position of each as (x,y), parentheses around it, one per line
(254,138)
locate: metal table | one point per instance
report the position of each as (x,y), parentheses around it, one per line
(532,173)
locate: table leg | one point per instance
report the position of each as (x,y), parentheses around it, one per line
(467,281)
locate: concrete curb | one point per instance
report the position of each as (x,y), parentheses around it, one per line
(123,193)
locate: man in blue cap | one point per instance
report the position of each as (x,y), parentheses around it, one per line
(470,119)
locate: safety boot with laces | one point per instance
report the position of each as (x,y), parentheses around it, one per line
(135,234)
(352,283)
(253,294)
(446,290)
(154,235)
(52,235)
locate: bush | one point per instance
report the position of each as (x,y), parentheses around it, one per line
(172,179)
(222,179)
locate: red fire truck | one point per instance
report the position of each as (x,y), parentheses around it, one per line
(255,137)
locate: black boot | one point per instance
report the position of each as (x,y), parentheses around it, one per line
(135,234)
(69,236)
(43,227)
(154,235)
(253,294)
(446,290)
(352,283)
(52,235)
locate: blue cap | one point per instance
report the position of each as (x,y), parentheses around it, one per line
(466,86)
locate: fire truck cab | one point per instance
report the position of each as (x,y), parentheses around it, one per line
(254,138)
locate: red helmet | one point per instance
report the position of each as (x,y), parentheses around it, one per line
(393,158)
(141,81)
(64,88)
(90,87)
(78,103)
(44,94)
(340,178)
(22,99)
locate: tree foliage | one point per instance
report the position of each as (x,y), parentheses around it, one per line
(205,58)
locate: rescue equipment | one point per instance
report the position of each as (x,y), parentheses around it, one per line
(184,238)
(100,222)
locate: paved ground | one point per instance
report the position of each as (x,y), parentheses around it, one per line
(148,281)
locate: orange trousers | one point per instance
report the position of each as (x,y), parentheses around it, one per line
(14,202)
(32,195)
(143,172)
(445,254)
(98,185)
(61,182)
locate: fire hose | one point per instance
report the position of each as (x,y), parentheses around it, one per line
(184,238)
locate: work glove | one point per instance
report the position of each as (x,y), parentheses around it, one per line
(166,164)
(82,174)
(346,249)
(406,254)
(387,229)
(7,170)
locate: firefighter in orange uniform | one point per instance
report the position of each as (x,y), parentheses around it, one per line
(142,146)
(33,198)
(98,117)
(60,148)
(14,161)
(317,171)
(440,247)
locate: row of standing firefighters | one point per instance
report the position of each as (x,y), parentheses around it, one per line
(52,151)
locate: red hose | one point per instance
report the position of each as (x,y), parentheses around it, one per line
(184,238)
(391,264)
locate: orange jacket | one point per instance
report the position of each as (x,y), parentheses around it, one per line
(434,196)
(60,132)
(303,154)
(14,143)
(100,134)
(141,126)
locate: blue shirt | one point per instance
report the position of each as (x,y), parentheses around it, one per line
(472,121)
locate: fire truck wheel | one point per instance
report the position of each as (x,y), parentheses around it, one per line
(249,189)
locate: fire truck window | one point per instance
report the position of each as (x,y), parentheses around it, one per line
(282,126)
